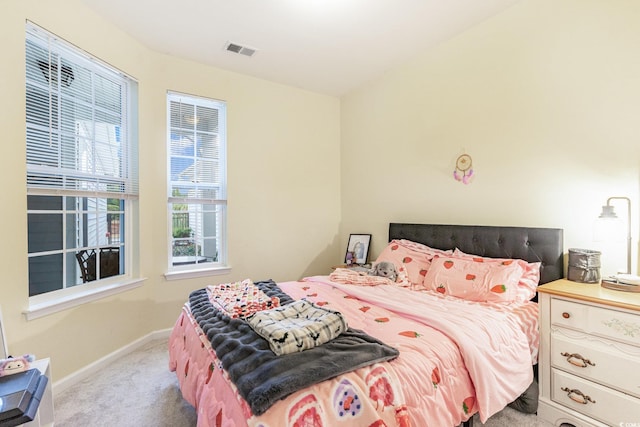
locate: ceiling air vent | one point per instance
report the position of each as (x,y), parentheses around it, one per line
(242,50)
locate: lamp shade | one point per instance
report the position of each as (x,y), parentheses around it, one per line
(608,212)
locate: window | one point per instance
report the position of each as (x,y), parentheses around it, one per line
(81,168)
(196,147)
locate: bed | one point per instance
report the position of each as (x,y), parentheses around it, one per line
(421,351)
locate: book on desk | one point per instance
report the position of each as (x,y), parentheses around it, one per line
(20,396)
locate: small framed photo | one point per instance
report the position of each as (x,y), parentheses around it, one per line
(358,247)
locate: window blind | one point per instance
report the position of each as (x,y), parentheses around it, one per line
(197,150)
(78,138)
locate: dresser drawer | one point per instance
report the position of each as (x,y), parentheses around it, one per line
(609,323)
(606,362)
(569,314)
(594,400)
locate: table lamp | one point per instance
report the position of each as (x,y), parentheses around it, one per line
(622,281)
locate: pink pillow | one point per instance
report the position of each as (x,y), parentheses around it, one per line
(528,284)
(412,257)
(474,280)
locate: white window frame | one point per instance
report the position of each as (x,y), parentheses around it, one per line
(38,183)
(207,266)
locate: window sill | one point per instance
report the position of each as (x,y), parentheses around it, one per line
(36,311)
(194,273)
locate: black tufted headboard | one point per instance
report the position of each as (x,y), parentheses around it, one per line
(530,244)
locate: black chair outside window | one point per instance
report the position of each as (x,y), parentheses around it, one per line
(109,263)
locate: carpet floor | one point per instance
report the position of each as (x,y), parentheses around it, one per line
(139,391)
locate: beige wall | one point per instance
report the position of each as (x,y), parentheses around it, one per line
(546,99)
(284,208)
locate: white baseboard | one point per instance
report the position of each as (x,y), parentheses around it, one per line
(93,368)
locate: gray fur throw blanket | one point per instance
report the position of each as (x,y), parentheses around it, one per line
(263,378)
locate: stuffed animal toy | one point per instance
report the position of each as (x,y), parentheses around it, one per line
(13,365)
(385,269)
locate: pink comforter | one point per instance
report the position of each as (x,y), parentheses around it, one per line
(446,346)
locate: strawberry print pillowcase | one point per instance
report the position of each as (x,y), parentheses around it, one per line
(474,280)
(411,257)
(528,284)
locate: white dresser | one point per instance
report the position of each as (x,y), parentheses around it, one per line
(589,364)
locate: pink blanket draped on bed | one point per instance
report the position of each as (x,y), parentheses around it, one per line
(434,382)
(495,351)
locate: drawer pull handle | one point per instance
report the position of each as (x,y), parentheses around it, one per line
(566,315)
(577,396)
(577,360)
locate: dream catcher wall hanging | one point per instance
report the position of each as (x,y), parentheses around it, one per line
(464,169)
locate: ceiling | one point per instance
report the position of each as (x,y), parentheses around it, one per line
(326,46)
